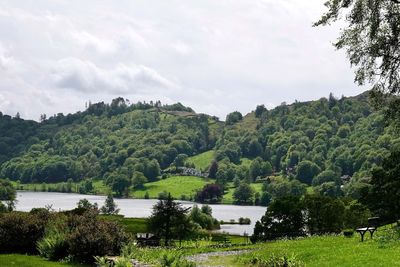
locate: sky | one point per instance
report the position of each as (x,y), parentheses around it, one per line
(214,56)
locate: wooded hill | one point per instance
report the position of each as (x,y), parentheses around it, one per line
(120,141)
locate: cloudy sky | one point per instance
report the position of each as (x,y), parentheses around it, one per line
(215,56)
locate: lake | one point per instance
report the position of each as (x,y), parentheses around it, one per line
(138,208)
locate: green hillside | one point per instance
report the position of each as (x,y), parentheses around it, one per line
(134,145)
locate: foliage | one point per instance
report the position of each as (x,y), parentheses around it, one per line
(279,188)
(283,218)
(203,217)
(109,208)
(384,196)
(7,194)
(243,194)
(324,214)
(211,193)
(20,231)
(90,236)
(168,220)
(306,171)
(371,39)
(233,117)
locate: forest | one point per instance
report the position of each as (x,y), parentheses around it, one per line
(331,144)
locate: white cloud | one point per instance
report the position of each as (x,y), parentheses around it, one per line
(216,56)
(90,41)
(85,76)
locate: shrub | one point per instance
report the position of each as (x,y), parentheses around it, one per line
(20,231)
(90,236)
(348,233)
(53,246)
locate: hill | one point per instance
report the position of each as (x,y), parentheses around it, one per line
(127,144)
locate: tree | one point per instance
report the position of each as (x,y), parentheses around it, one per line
(7,193)
(326,176)
(168,219)
(233,118)
(84,204)
(306,171)
(109,207)
(138,179)
(324,214)
(383,198)
(243,194)
(372,41)
(212,171)
(260,109)
(211,193)
(120,185)
(283,218)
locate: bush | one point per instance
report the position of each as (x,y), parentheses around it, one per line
(20,231)
(348,233)
(90,236)
(53,246)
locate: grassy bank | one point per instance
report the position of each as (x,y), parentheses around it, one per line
(320,251)
(19,260)
(202,161)
(178,186)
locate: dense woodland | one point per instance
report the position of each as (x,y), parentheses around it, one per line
(125,144)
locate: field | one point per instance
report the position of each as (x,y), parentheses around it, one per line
(30,261)
(202,161)
(321,251)
(176,185)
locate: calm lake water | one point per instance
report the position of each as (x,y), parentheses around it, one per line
(138,208)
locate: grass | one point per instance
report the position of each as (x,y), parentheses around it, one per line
(321,251)
(99,187)
(176,185)
(30,261)
(202,161)
(131,225)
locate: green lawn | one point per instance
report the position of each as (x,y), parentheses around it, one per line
(131,225)
(176,185)
(321,251)
(202,161)
(29,261)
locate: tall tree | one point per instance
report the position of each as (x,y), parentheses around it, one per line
(109,206)
(168,219)
(372,41)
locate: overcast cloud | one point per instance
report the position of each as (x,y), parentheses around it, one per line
(215,56)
